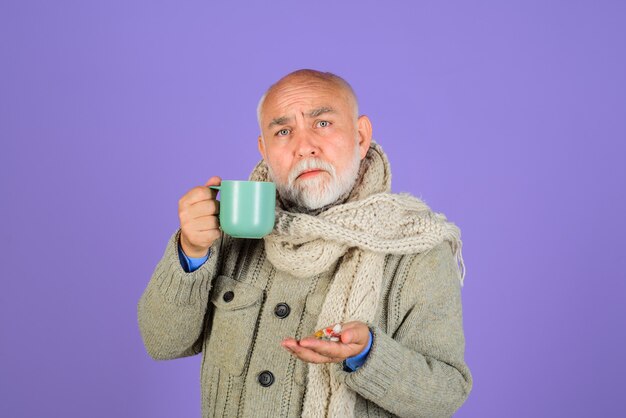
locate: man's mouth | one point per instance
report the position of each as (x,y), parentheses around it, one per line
(309,173)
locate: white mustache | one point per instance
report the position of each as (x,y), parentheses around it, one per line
(310,164)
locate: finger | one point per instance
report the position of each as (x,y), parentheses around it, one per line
(330,348)
(197,194)
(289,342)
(309,356)
(213,181)
(203,208)
(198,221)
(206,223)
(350,336)
(355,332)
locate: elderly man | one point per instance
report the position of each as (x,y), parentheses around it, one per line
(344,250)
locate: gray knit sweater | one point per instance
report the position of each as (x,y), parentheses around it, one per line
(227,310)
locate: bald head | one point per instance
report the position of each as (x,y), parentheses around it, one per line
(309,78)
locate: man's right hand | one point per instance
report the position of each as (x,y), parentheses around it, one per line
(198,212)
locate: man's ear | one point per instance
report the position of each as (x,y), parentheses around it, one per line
(261,146)
(364,127)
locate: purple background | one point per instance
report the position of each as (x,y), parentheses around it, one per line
(509,117)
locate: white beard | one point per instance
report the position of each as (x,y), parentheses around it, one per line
(320,190)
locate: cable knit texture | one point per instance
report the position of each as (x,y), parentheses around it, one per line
(226,310)
(371,223)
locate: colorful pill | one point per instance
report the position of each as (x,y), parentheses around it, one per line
(329,333)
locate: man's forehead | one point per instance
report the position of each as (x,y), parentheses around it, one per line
(304,88)
(303,94)
(306,82)
(304,100)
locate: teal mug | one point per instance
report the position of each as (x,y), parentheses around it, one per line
(247,208)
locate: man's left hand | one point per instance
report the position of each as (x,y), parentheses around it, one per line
(353,340)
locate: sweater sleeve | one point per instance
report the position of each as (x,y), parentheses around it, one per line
(418,369)
(191,264)
(171,311)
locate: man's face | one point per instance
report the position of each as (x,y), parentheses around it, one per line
(312,141)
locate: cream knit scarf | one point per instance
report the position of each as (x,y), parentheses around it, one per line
(371,223)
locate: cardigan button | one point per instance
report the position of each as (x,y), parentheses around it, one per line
(228,296)
(282,310)
(266,378)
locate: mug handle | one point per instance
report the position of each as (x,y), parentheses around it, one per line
(219,251)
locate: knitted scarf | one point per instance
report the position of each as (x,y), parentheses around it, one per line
(359,232)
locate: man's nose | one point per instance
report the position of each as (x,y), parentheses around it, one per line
(306,145)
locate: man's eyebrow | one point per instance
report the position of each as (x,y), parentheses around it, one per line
(320,110)
(279,121)
(312,114)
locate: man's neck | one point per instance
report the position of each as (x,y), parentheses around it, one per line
(295,208)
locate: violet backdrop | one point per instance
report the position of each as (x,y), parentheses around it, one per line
(509,117)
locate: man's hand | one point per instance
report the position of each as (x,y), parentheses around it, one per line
(353,340)
(198,212)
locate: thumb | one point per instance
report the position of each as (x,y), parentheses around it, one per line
(349,336)
(213,181)
(355,333)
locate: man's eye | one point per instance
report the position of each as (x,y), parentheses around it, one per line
(323,123)
(283,132)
